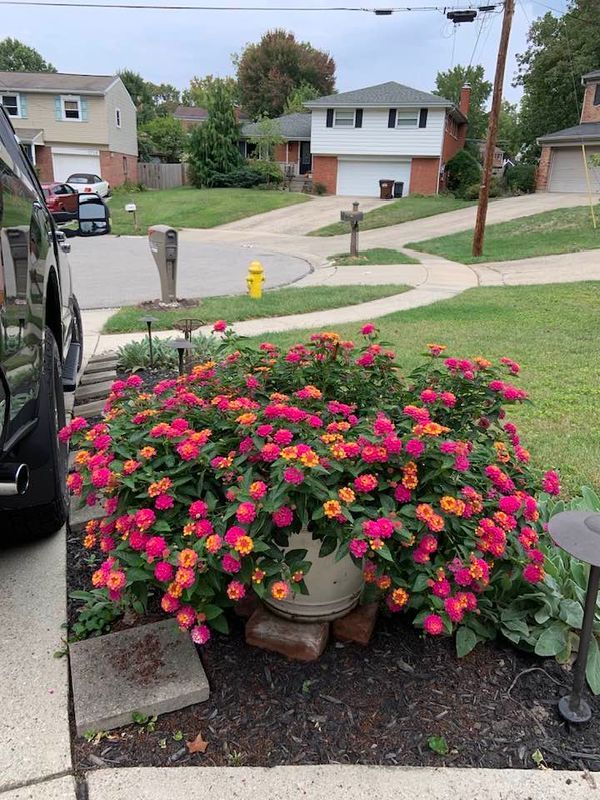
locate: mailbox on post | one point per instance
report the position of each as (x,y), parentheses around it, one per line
(163,246)
(354,217)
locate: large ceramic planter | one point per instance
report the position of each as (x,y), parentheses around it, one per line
(334,586)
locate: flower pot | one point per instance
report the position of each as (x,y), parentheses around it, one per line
(334,586)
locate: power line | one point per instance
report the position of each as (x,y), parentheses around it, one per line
(162,7)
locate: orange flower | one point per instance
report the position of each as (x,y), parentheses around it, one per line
(247,419)
(258,575)
(332,508)
(289,453)
(147,452)
(452,505)
(280,590)
(188,557)
(244,545)
(82,457)
(384,582)
(310,459)
(346,494)
(400,597)
(430,429)
(89,540)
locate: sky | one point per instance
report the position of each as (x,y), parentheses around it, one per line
(168,46)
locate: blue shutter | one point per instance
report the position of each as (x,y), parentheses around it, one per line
(23,105)
(84,108)
(57,107)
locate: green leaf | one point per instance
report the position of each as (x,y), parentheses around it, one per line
(592,668)
(81,595)
(137,574)
(328,546)
(466,640)
(212,612)
(420,583)
(552,640)
(592,500)
(439,745)
(571,612)
(220,624)
(162,526)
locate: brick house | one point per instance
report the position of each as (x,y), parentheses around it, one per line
(294,152)
(73,123)
(565,153)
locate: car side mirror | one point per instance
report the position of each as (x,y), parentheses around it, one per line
(93,216)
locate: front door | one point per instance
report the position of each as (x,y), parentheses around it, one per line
(305,158)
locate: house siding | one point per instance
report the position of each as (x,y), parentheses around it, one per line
(375,138)
(590,112)
(123,139)
(41,114)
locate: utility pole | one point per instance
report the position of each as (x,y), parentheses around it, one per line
(492,132)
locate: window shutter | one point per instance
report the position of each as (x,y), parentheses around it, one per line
(358,118)
(330,117)
(57,107)
(423,118)
(392,118)
(84,108)
(23,105)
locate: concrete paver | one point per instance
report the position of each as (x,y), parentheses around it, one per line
(583,266)
(56,789)
(338,783)
(34,721)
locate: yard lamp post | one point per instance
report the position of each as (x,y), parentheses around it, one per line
(181,345)
(578,533)
(149,321)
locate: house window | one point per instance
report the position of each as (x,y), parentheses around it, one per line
(11,103)
(344,119)
(597,95)
(71,108)
(407,119)
(118,117)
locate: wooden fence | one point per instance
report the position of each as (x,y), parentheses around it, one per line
(162,176)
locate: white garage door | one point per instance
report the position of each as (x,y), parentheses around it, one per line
(361,178)
(567,172)
(67,161)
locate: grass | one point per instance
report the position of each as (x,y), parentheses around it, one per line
(275,303)
(566,230)
(412,207)
(377,255)
(186,207)
(551,330)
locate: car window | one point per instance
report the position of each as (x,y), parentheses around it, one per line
(78,179)
(47,192)
(60,189)
(97,179)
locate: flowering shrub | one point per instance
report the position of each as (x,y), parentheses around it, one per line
(420,480)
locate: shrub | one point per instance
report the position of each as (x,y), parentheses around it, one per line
(241,178)
(135,356)
(420,480)
(496,189)
(319,188)
(521,178)
(270,171)
(463,171)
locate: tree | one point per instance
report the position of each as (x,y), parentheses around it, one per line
(559,52)
(141,95)
(18,57)
(270,71)
(510,136)
(164,137)
(200,89)
(300,95)
(448,84)
(213,146)
(267,138)
(165,97)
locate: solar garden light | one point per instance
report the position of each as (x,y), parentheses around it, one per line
(149,321)
(578,533)
(181,345)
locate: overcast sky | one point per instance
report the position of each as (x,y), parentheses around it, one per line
(172,46)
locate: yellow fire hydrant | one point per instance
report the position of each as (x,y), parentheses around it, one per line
(255,279)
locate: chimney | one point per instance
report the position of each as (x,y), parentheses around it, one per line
(464,103)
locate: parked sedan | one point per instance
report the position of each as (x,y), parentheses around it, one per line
(85,182)
(61,200)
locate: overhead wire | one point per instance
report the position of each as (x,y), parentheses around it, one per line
(192,7)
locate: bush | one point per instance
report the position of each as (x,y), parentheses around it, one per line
(319,188)
(496,189)
(270,171)
(241,178)
(521,178)
(420,480)
(135,356)
(463,172)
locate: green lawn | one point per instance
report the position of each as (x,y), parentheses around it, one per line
(187,207)
(377,255)
(566,230)
(412,207)
(551,330)
(274,303)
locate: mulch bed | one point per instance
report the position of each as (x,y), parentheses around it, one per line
(356,705)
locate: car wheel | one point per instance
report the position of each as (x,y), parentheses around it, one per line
(78,330)
(44,508)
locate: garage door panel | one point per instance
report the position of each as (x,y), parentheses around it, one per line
(567,170)
(361,178)
(66,164)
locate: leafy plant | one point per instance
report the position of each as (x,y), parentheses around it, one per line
(319,189)
(463,171)
(439,745)
(521,178)
(135,356)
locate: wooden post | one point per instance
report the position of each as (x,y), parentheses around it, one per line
(492,132)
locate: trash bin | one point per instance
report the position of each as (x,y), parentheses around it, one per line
(398,188)
(385,189)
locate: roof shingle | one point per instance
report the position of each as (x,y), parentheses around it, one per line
(55,82)
(383,94)
(584,131)
(292,126)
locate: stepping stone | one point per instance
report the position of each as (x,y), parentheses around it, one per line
(87,410)
(151,669)
(98,377)
(80,516)
(100,366)
(301,641)
(103,357)
(93,391)
(357,626)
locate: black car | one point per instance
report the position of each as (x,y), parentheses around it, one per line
(40,345)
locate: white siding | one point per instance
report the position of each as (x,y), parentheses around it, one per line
(375,138)
(123,139)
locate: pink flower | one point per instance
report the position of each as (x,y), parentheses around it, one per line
(156,547)
(358,547)
(246,513)
(414,448)
(163,502)
(198,509)
(236,590)
(433,624)
(219,326)
(264,430)
(145,518)
(186,616)
(365,483)
(169,603)
(200,634)
(551,483)
(509,504)
(448,399)
(428,396)
(283,437)
(368,329)
(258,490)
(293,475)
(164,571)
(270,452)
(101,477)
(533,573)
(454,609)
(230,564)
(233,534)
(283,517)
(441,588)
(203,527)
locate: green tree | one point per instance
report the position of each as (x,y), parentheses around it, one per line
(448,84)
(267,138)
(213,146)
(200,88)
(300,95)
(141,95)
(165,97)
(268,72)
(510,136)
(165,138)
(18,57)
(559,52)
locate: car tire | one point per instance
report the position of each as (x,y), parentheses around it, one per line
(78,330)
(44,508)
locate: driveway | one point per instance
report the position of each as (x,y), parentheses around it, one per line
(111,271)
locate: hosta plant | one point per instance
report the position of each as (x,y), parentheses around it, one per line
(420,479)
